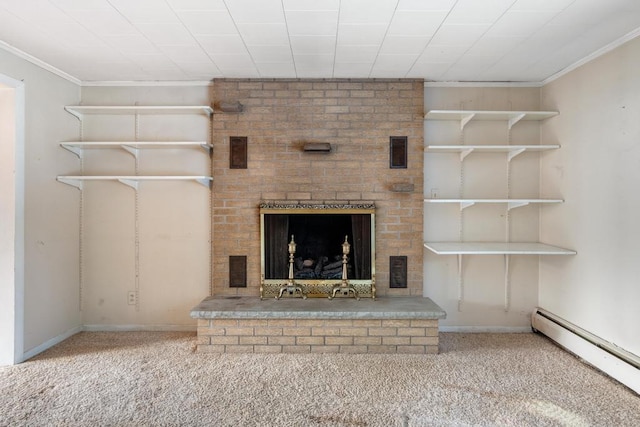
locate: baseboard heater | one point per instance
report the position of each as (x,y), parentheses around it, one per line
(610,359)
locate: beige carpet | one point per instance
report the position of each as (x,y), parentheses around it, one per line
(155,379)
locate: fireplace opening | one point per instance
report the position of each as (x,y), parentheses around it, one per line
(319,235)
(318,241)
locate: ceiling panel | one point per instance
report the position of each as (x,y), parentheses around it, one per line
(317,23)
(352,34)
(145,11)
(351,70)
(264,34)
(433,5)
(366,11)
(313,45)
(392,65)
(132,44)
(521,23)
(313,60)
(185,54)
(404,45)
(430,71)
(456,34)
(276,69)
(228,44)
(357,53)
(469,12)
(491,45)
(82,4)
(275,53)
(442,53)
(207,22)
(466,40)
(416,23)
(256,11)
(541,4)
(105,22)
(196,4)
(311,4)
(166,33)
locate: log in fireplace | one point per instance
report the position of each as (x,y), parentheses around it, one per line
(319,230)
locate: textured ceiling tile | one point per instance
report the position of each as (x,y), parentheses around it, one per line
(404,45)
(225,44)
(313,45)
(352,34)
(311,4)
(278,54)
(208,21)
(465,39)
(521,23)
(169,34)
(197,4)
(256,11)
(366,11)
(442,5)
(276,69)
(145,11)
(264,34)
(453,34)
(416,23)
(352,70)
(357,53)
(477,12)
(103,22)
(321,23)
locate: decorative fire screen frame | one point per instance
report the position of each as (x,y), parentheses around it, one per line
(317,288)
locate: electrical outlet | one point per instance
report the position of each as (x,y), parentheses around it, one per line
(434,193)
(131,298)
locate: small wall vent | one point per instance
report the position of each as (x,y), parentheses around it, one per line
(317,147)
(230,107)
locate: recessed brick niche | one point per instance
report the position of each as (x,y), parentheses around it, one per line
(357,118)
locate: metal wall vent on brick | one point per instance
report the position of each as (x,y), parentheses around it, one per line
(317,147)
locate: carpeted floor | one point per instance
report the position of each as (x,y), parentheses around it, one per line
(156,379)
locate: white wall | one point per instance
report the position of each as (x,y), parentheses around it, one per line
(50,217)
(173,218)
(481,175)
(9,311)
(598,172)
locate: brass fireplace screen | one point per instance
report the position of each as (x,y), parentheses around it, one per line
(319,232)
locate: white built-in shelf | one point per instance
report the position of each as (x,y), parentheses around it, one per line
(80,110)
(465,116)
(511,203)
(495,248)
(511,150)
(132,147)
(131,181)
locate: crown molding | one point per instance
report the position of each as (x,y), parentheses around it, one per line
(482,84)
(44,65)
(598,53)
(119,83)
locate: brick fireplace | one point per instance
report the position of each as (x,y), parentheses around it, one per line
(357,118)
(366,139)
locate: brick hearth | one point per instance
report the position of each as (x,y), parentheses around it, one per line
(248,325)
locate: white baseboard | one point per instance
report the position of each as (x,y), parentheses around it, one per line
(486,329)
(141,328)
(588,347)
(50,343)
